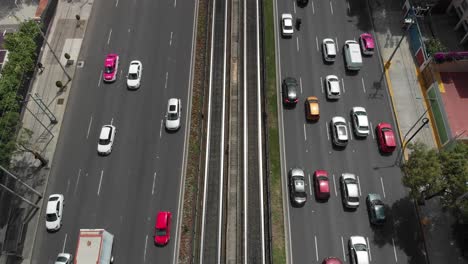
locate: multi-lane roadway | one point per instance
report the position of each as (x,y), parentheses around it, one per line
(322,229)
(124,191)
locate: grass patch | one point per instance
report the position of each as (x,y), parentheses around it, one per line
(276,197)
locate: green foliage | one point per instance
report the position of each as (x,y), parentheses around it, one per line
(434,45)
(21,59)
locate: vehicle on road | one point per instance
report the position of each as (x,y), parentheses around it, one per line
(332,260)
(106,139)
(349,190)
(297,191)
(54,212)
(287,29)
(360,121)
(312,108)
(339,131)
(329,50)
(173,114)
(64,258)
(367,43)
(321,185)
(385,137)
(162,228)
(332,83)
(290,91)
(134,74)
(358,250)
(302,3)
(375,209)
(94,246)
(353,57)
(111,66)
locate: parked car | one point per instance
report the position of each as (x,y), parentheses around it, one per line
(375,209)
(339,131)
(297,191)
(312,108)
(290,91)
(106,139)
(134,74)
(385,137)
(358,250)
(329,50)
(367,43)
(54,212)
(162,228)
(111,67)
(287,29)
(360,121)
(332,84)
(321,185)
(349,190)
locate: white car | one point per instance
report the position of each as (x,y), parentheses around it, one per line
(174,108)
(339,131)
(134,74)
(54,212)
(287,25)
(333,87)
(64,258)
(106,139)
(360,121)
(349,190)
(329,49)
(358,250)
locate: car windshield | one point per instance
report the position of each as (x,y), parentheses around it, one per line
(133,76)
(172,116)
(363,128)
(109,69)
(160,232)
(360,247)
(322,178)
(353,199)
(61,259)
(385,129)
(288,27)
(104,141)
(51,217)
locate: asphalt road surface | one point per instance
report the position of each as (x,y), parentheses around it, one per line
(124,191)
(319,230)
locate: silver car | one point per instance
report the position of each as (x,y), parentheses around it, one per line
(360,121)
(349,190)
(333,87)
(174,108)
(297,191)
(339,131)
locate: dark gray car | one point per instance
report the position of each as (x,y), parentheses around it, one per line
(289,91)
(376,209)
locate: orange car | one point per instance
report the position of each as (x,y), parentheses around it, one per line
(312,108)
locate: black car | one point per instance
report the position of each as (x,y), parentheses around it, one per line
(376,209)
(302,3)
(297,189)
(290,91)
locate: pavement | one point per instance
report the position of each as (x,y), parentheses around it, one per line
(438,226)
(45,103)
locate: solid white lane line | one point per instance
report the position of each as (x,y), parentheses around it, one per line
(170,40)
(310,185)
(100,182)
(305,134)
(100,79)
(359,184)
(350,131)
(294,7)
(316,248)
(165,83)
(160,129)
(116,3)
(297,43)
(246,140)
(321,84)
(334,185)
(154,183)
(394,250)
(363,85)
(342,84)
(342,246)
(146,245)
(65,242)
(300,83)
(349,8)
(77,181)
(316,42)
(89,126)
(175,3)
(383,188)
(328,134)
(110,34)
(371,128)
(313,8)
(368,245)
(331,7)
(68,186)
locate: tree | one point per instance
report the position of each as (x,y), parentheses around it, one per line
(23,144)
(434,45)
(423,172)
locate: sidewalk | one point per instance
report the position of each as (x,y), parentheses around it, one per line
(65,36)
(409,105)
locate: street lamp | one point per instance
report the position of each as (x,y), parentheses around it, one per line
(425,120)
(408,22)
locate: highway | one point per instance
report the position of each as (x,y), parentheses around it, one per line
(124,191)
(322,229)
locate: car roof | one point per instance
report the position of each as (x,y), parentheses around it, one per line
(172,102)
(133,68)
(51,207)
(330,46)
(334,85)
(362,120)
(105,132)
(162,220)
(362,257)
(299,185)
(110,59)
(369,40)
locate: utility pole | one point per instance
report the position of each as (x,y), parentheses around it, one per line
(408,23)
(402,150)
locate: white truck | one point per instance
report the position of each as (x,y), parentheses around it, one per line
(94,247)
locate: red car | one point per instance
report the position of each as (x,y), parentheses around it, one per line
(332,260)
(321,185)
(162,228)
(367,43)
(111,66)
(386,137)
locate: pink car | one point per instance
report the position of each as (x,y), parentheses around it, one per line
(111,66)
(367,43)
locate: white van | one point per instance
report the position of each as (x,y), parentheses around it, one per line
(353,57)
